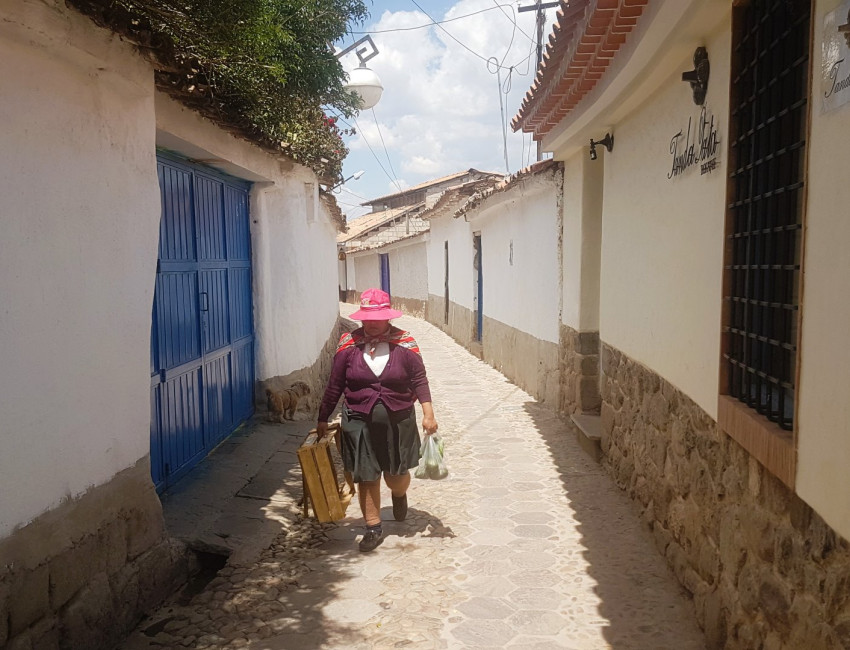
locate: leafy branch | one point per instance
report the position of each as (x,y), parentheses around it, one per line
(261,68)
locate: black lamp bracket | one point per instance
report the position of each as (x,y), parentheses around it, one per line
(698,77)
(607,142)
(360,49)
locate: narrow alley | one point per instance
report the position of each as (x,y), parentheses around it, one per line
(527,544)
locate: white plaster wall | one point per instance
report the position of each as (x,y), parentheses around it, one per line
(572,238)
(459,235)
(409,270)
(79,203)
(293,241)
(296,298)
(662,240)
(351,277)
(823,434)
(367,271)
(523,294)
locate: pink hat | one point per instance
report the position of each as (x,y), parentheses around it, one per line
(375,305)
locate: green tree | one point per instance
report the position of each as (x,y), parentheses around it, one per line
(261,68)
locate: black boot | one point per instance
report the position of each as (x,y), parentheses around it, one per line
(400,507)
(372,539)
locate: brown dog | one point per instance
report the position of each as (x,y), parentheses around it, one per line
(282,403)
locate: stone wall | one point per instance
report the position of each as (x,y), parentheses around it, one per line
(82,575)
(765,571)
(579,372)
(461,325)
(411,306)
(527,361)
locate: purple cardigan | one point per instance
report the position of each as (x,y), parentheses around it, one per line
(402,382)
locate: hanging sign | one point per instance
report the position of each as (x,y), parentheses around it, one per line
(698,146)
(835,47)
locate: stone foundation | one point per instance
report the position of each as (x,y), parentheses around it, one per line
(315,376)
(461,325)
(765,571)
(527,361)
(83,574)
(411,306)
(579,372)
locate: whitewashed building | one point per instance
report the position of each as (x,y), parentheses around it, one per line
(705,233)
(112,194)
(386,247)
(494,278)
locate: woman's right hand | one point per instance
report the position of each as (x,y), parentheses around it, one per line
(321,430)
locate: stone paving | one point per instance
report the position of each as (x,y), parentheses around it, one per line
(527,544)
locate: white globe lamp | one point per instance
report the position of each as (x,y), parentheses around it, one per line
(366,84)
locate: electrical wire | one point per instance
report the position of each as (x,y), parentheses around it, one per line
(434,22)
(375,156)
(494,66)
(343,188)
(463,45)
(510,45)
(513,20)
(389,162)
(501,111)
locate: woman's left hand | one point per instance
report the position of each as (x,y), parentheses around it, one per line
(429,422)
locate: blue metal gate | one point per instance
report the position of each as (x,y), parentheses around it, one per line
(202,334)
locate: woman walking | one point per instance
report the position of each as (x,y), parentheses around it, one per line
(379,370)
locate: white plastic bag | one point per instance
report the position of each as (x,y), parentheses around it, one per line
(432,465)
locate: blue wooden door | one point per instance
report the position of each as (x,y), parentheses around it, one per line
(202,362)
(385,272)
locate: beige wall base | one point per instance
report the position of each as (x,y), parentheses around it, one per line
(764,569)
(461,325)
(83,574)
(527,361)
(411,306)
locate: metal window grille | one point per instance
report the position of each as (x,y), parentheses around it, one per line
(770,88)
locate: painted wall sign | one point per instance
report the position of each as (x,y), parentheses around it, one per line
(696,147)
(835,73)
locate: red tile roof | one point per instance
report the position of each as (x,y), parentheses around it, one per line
(586,36)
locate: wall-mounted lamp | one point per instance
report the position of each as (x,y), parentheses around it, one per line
(362,80)
(698,77)
(355,176)
(607,142)
(845,30)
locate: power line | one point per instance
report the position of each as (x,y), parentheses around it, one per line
(434,22)
(389,162)
(464,46)
(343,188)
(512,19)
(374,155)
(501,113)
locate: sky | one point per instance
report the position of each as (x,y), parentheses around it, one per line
(440,112)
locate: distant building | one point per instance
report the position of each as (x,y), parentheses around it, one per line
(386,247)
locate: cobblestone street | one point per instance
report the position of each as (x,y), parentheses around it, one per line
(527,544)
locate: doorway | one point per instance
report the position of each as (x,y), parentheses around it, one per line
(478,290)
(446,290)
(385,272)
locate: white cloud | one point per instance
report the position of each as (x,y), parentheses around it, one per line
(440,109)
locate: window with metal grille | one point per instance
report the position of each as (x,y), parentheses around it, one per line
(768,125)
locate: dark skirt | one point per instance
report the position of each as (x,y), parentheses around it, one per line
(383,441)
